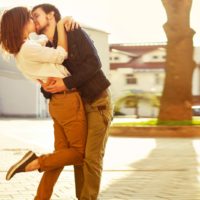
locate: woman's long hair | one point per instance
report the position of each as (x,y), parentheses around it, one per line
(12,26)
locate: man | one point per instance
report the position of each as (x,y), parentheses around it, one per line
(87,77)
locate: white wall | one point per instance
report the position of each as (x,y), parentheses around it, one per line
(196,81)
(100,39)
(118,81)
(17,97)
(145,81)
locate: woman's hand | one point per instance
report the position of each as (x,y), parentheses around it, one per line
(53,85)
(69,23)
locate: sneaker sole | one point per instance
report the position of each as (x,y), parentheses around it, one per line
(15,166)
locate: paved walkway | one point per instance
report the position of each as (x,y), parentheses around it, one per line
(134,168)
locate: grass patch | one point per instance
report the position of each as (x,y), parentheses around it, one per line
(155,122)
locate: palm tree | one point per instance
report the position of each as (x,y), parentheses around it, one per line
(126,99)
(176,100)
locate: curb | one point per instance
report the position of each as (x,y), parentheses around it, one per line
(156,131)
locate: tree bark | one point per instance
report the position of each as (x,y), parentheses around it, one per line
(176,99)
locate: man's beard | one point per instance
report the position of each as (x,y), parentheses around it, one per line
(43,29)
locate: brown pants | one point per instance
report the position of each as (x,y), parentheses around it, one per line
(70,130)
(88,176)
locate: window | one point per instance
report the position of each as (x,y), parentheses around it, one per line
(116,58)
(158,79)
(131,79)
(155,57)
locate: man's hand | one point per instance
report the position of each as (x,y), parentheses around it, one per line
(54,85)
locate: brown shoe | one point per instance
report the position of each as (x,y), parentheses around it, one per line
(20,165)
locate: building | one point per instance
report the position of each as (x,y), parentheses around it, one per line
(139,71)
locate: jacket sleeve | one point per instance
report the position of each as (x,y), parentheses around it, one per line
(89,61)
(47,95)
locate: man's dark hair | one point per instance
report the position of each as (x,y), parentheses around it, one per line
(47,8)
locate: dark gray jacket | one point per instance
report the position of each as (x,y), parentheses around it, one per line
(84,65)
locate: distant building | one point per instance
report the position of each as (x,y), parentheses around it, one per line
(140,69)
(22,98)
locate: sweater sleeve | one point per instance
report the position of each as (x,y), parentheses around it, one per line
(38,53)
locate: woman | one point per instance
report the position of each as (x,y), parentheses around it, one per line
(37,61)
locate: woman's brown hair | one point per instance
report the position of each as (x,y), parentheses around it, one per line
(12,26)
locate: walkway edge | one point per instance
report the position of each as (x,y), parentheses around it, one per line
(156,131)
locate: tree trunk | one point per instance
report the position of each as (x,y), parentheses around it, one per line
(176,100)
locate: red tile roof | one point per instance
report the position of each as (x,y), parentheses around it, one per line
(138,50)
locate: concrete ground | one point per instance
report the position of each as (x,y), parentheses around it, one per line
(134,168)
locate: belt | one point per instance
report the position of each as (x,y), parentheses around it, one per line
(63,92)
(66,91)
